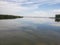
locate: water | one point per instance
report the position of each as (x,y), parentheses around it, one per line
(30,31)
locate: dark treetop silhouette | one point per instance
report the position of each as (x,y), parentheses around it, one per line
(57,16)
(4,16)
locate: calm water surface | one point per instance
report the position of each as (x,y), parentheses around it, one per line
(29,31)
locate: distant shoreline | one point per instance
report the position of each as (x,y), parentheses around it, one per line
(9,16)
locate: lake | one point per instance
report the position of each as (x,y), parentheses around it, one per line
(30,31)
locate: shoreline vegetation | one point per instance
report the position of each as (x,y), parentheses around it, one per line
(7,16)
(4,16)
(57,17)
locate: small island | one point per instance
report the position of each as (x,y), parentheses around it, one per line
(57,17)
(4,16)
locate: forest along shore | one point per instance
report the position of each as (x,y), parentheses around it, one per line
(9,16)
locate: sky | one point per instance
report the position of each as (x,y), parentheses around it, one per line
(42,8)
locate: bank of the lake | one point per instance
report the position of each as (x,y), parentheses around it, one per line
(4,16)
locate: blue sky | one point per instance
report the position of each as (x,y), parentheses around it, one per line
(44,8)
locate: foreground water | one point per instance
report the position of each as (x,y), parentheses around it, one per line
(29,31)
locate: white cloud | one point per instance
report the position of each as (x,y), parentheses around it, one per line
(54,12)
(15,0)
(11,8)
(57,11)
(42,1)
(39,13)
(34,1)
(15,7)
